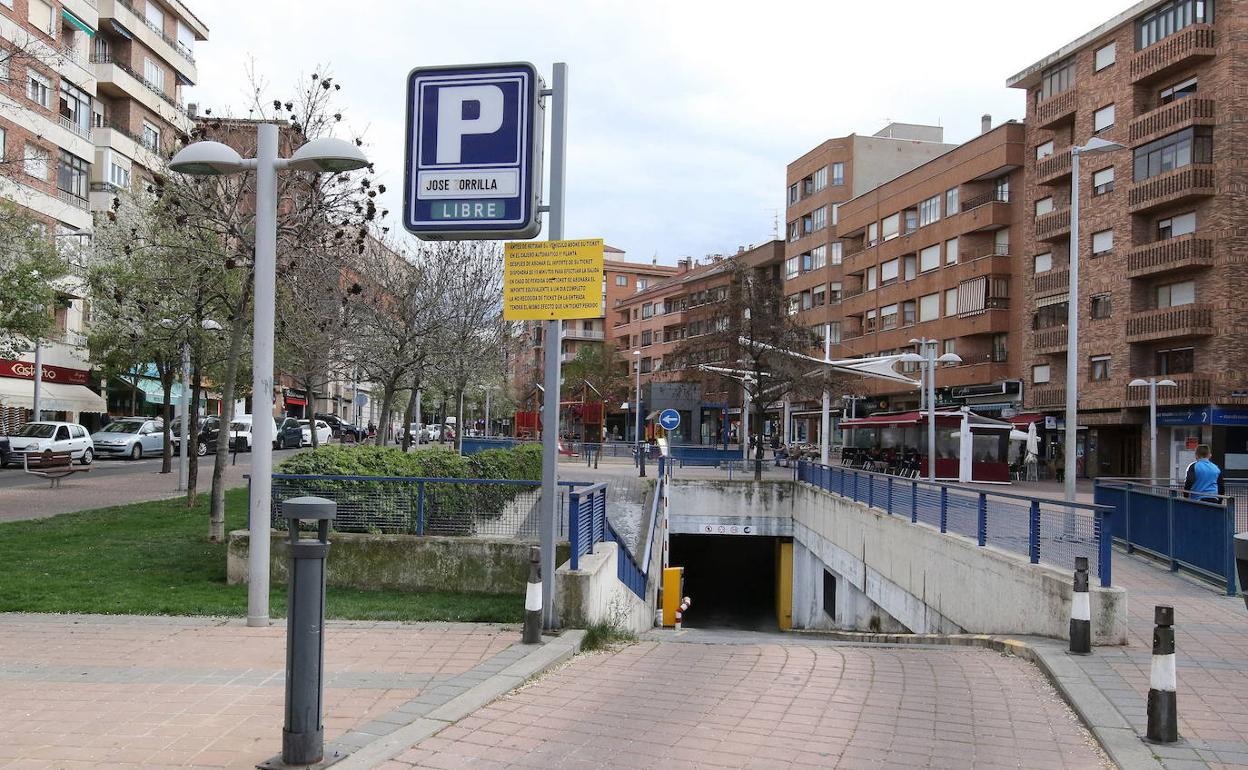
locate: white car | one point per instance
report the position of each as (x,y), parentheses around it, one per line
(323,433)
(240,433)
(40,437)
(130,437)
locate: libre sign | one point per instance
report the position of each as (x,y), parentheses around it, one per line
(552,280)
(474,152)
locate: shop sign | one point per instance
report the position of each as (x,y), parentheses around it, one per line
(25,370)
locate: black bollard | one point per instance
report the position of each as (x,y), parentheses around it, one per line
(533,599)
(1080,611)
(303,737)
(1163,715)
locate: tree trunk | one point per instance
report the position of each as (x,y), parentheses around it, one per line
(216,513)
(386,403)
(166,454)
(459,419)
(759,410)
(406,442)
(307,389)
(190,439)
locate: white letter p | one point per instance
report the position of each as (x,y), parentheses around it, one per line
(452,127)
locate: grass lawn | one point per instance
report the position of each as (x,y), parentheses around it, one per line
(154,559)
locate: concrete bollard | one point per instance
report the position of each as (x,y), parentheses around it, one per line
(1080,611)
(680,611)
(533,599)
(1163,715)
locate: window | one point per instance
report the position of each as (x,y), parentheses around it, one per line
(1165,20)
(1000,348)
(1103,119)
(836,213)
(1176,294)
(821,179)
(1056,79)
(72,175)
(153,74)
(1051,312)
(642,283)
(912,220)
(1098,368)
(1044,150)
(647,310)
(910,266)
(75,107)
(1040,373)
(806,300)
(791,267)
(1103,181)
(890,227)
(36,162)
(808,224)
(834,332)
(889,272)
(907,313)
(1044,206)
(929,258)
(1104,56)
(793,195)
(151,137)
(1102,306)
(951,302)
(1178,91)
(647,338)
(1192,145)
(154,16)
(888,316)
(1001,242)
(929,307)
(951,201)
(794,230)
(929,211)
(838,174)
(818,257)
(820,217)
(951,251)
(1179,224)
(186,38)
(1176,361)
(38,88)
(873,233)
(621,280)
(794,301)
(4,144)
(819,296)
(1102,242)
(807,260)
(42,18)
(646,365)
(949,346)
(1044,262)
(872,283)
(837,250)
(834,291)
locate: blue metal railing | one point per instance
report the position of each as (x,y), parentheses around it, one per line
(587,520)
(586,529)
(1042,530)
(1164,521)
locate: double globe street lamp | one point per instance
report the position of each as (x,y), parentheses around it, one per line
(927,361)
(325,155)
(1152,383)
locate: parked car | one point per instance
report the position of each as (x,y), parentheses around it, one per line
(289,433)
(286,434)
(39,437)
(342,430)
(323,433)
(4,451)
(130,437)
(430,433)
(209,427)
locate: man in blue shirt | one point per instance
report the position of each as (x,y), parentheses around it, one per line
(1204,478)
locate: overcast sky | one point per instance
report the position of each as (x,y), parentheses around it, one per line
(683,114)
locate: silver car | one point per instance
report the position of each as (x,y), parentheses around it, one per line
(40,437)
(130,437)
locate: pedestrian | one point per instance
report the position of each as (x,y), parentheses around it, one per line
(1204,480)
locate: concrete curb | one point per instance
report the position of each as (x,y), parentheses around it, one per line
(1111,729)
(389,746)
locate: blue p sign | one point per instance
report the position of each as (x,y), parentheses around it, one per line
(474,149)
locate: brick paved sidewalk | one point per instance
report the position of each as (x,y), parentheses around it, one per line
(772,702)
(128,692)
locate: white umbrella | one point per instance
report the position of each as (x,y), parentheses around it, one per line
(1017,435)
(1033,452)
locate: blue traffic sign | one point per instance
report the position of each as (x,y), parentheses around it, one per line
(669,419)
(474,152)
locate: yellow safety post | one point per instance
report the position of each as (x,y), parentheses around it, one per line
(673,585)
(784,584)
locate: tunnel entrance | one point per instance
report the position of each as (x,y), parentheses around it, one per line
(731,580)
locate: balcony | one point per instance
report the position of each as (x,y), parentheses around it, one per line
(992,196)
(1182,184)
(1051,282)
(993,214)
(1181,49)
(1183,253)
(582,334)
(1054,168)
(1187,389)
(1047,398)
(1053,226)
(1046,341)
(1172,117)
(115,78)
(1170,322)
(1055,110)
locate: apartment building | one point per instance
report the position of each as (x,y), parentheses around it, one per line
(1161,235)
(929,255)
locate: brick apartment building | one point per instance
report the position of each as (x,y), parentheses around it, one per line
(1163,235)
(931,254)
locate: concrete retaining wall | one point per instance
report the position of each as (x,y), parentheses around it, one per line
(405,562)
(594,594)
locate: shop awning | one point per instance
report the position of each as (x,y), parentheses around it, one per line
(945,418)
(1021,421)
(120,30)
(53,396)
(77,22)
(154,393)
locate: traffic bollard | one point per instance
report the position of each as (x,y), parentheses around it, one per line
(533,599)
(1080,611)
(1163,716)
(303,736)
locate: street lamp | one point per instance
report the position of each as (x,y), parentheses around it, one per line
(641,458)
(1094,145)
(1152,383)
(217,159)
(928,360)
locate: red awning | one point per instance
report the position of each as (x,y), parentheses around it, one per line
(1021,421)
(944,418)
(293,401)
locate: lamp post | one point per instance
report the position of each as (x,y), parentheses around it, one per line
(216,159)
(1094,145)
(488,390)
(1152,383)
(641,458)
(928,360)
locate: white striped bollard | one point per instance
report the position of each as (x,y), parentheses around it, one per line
(1163,715)
(533,599)
(680,611)
(1080,611)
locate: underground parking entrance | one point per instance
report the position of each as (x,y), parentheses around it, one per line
(733,580)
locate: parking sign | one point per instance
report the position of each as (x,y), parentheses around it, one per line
(474,152)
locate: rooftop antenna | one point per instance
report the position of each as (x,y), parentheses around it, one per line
(775,224)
